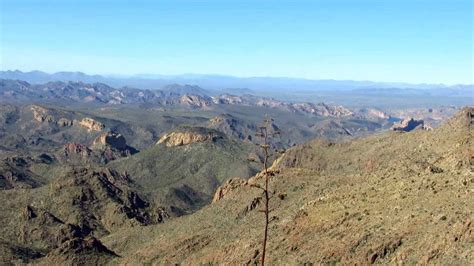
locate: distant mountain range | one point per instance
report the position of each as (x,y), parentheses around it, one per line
(72,92)
(215,82)
(356,94)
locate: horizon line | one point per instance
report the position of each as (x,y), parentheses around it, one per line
(140,76)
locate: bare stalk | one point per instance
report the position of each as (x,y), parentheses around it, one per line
(264,134)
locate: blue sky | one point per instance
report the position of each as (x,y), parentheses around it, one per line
(382,40)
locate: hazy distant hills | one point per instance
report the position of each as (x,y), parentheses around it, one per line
(345,92)
(171,95)
(42,77)
(216,81)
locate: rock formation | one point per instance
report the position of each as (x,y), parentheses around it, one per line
(187,136)
(111,139)
(227,187)
(91,124)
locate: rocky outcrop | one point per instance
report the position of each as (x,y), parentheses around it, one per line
(184,138)
(112,139)
(187,136)
(408,124)
(91,124)
(105,148)
(228,187)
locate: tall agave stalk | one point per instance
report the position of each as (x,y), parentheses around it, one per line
(265,133)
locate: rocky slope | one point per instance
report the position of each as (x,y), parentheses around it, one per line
(62,222)
(386,199)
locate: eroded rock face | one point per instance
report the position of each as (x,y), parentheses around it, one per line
(226,188)
(112,139)
(91,124)
(192,135)
(408,124)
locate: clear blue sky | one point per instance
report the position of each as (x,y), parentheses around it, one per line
(381,40)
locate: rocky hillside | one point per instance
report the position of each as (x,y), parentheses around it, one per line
(63,221)
(391,198)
